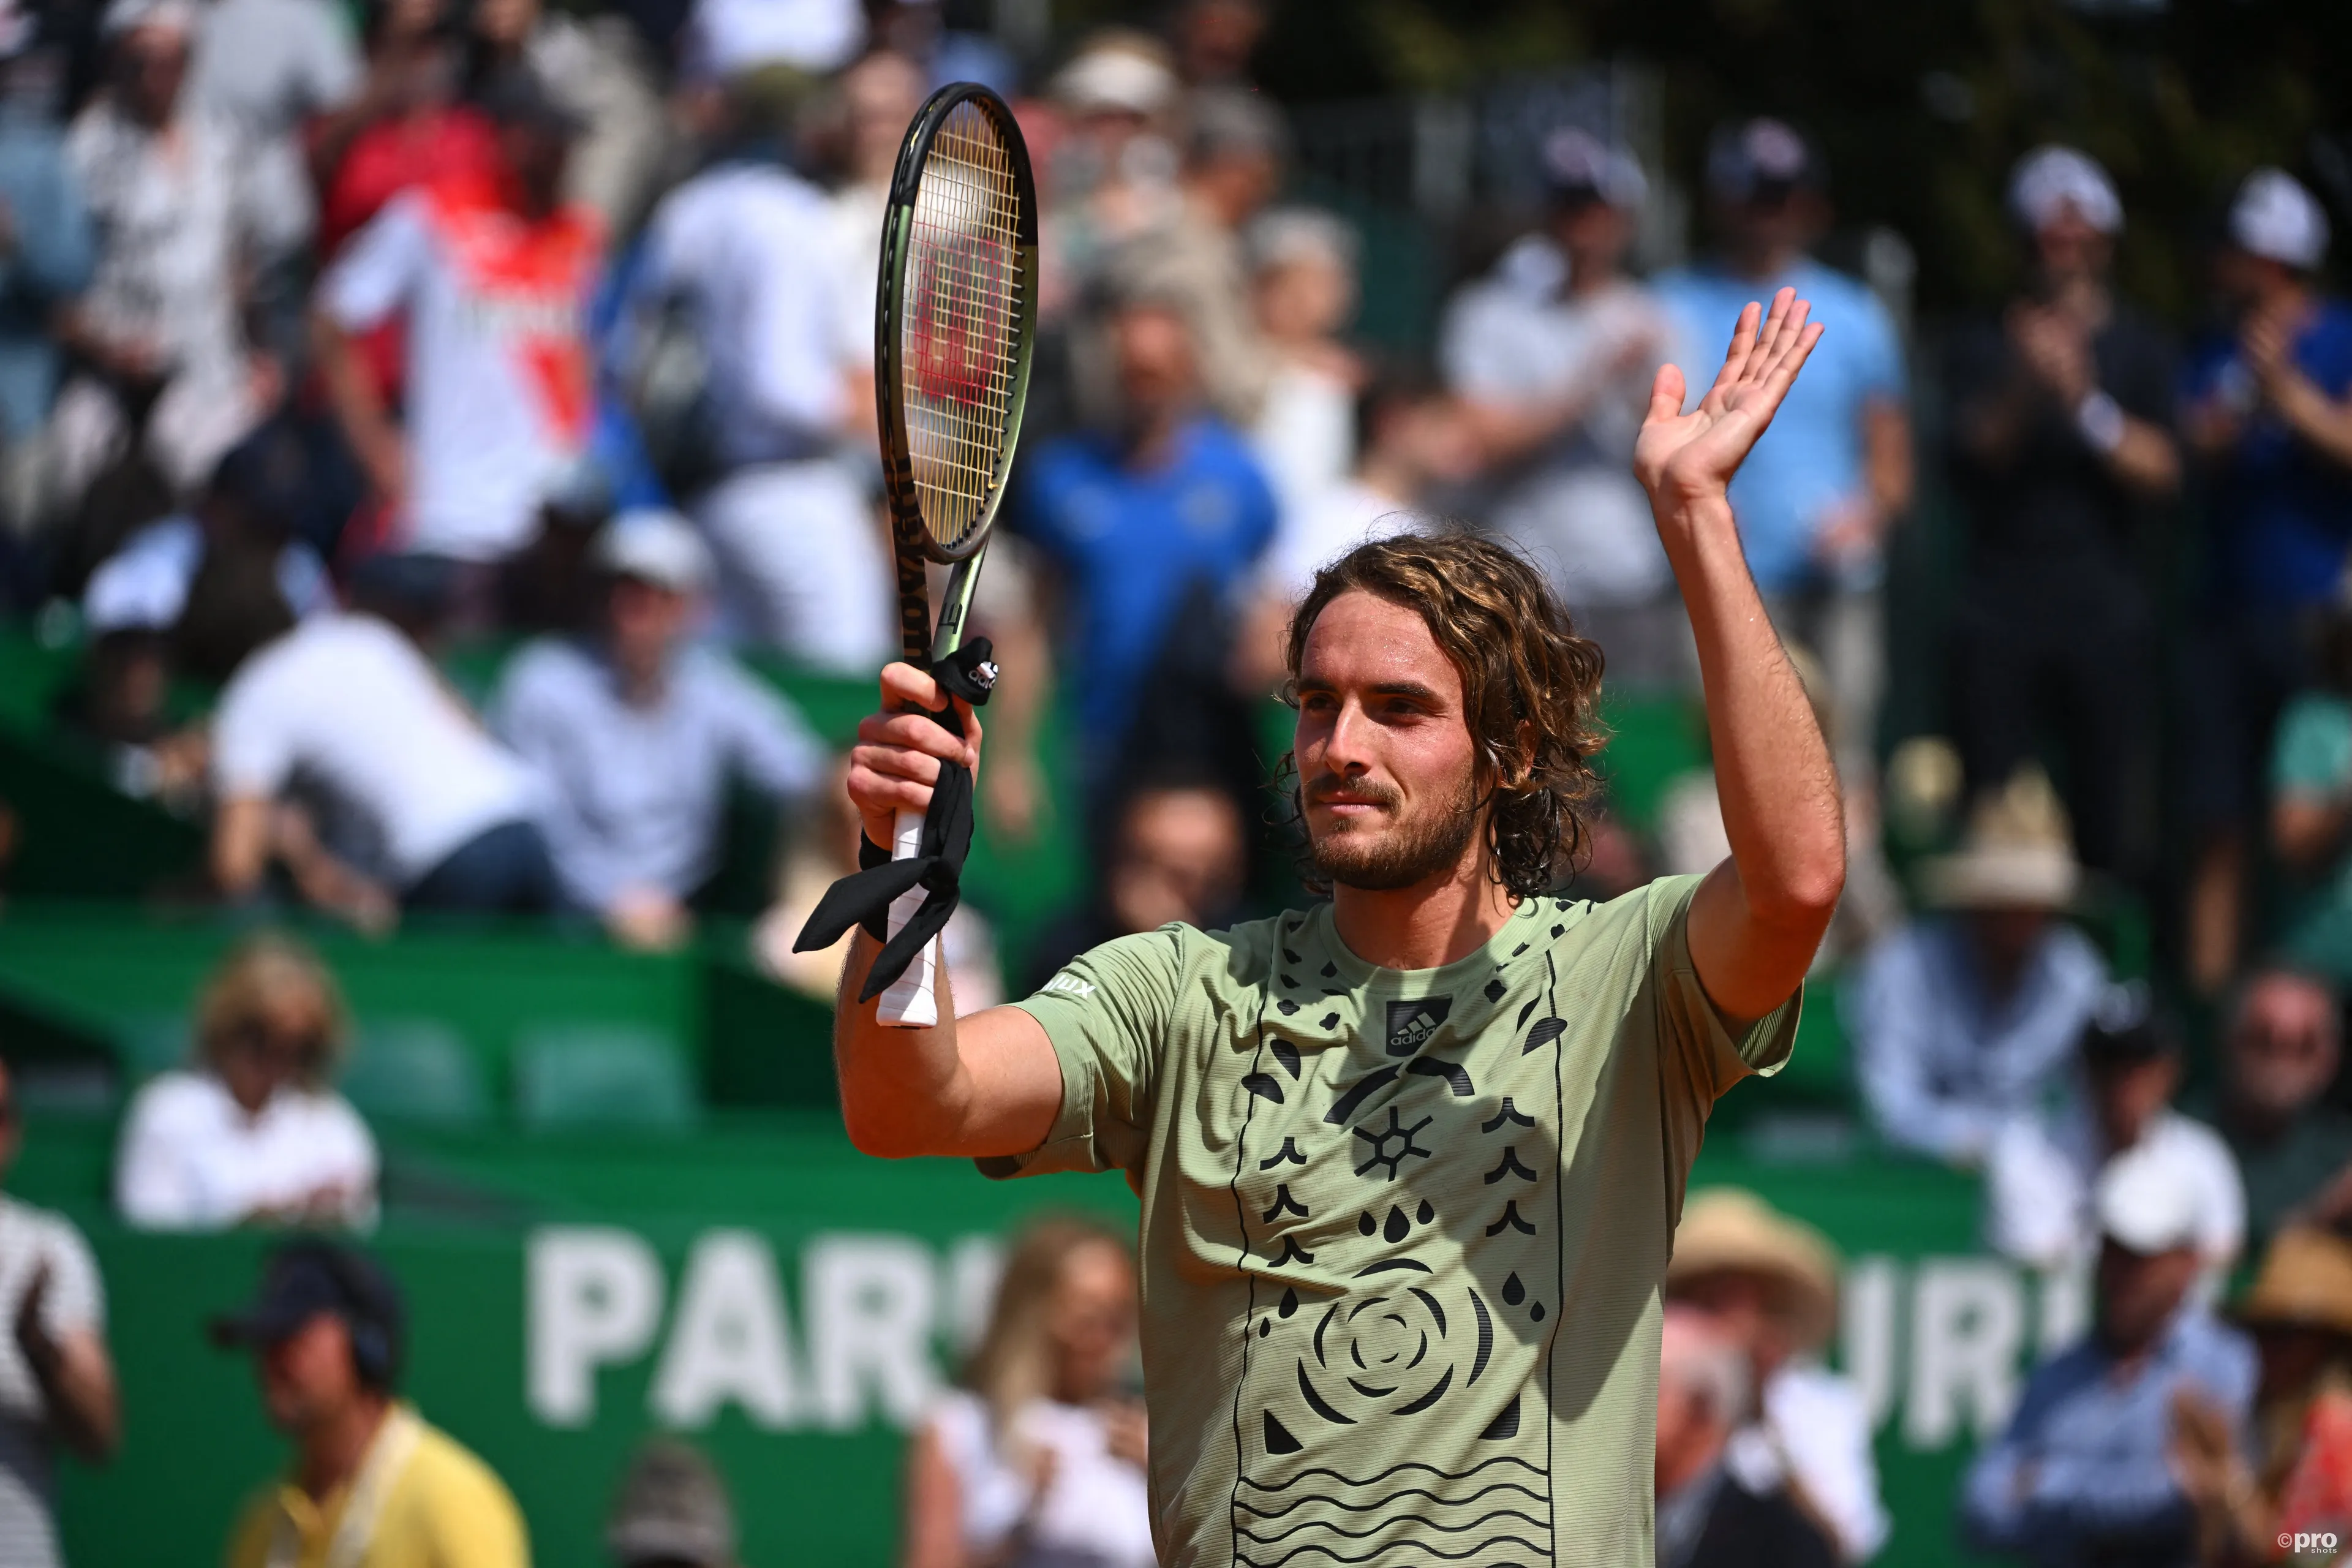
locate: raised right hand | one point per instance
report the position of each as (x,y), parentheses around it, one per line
(896,759)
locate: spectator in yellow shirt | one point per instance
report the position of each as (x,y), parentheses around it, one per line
(371,1485)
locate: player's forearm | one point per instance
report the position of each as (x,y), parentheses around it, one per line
(1778,785)
(901,1089)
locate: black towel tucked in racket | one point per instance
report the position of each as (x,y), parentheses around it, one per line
(864,898)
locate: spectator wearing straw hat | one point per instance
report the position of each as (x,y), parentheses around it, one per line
(635,736)
(2062,445)
(1963,1018)
(2295,1479)
(2268,406)
(1771,1283)
(2085,1475)
(673,1511)
(2042,1172)
(1709,1514)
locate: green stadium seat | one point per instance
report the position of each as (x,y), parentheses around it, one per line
(578,1076)
(416,1070)
(150,1043)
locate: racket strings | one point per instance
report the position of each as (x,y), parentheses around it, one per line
(960,349)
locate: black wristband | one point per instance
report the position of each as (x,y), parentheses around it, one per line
(870,854)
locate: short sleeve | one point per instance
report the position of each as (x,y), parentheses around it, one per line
(76,1297)
(2313,754)
(254,732)
(1691,1030)
(771,742)
(379,268)
(1877,353)
(1107,1013)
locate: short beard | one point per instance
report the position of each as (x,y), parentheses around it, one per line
(1410,853)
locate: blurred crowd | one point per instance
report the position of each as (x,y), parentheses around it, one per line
(336,336)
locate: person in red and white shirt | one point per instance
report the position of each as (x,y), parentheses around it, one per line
(493,277)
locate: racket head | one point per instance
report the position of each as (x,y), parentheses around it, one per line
(955,321)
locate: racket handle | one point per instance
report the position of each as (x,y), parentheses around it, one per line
(911,1002)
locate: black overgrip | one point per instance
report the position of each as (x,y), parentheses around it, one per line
(864,898)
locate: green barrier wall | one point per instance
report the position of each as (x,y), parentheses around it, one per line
(791,1304)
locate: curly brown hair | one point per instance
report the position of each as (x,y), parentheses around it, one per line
(1530,686)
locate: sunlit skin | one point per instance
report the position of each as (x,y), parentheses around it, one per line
(1387,767)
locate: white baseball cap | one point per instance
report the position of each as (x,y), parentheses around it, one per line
(2051,179)
(2147,1203)
(2274,217)
(653,545)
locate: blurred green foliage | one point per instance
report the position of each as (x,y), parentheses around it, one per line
(1921,105)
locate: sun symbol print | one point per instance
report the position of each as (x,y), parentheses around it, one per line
(1395,1135)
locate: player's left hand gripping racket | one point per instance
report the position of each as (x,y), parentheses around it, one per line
(955,327)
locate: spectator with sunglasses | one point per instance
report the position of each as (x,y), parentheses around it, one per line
(57,1378)
(252,1131)
(371,1481)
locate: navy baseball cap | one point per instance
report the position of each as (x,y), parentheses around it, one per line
(305,1279)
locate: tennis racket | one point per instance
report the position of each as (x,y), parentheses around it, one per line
(954,333)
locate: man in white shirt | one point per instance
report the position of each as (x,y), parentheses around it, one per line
(2042,1174)
(426,810)
(636,736)
(493,278)
(744,248)
(56,1379)
(1553,354)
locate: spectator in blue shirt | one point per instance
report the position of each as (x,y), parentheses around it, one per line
(635,738)
(1152,524)
(2086,1474)
(1823,486)
(2269,407)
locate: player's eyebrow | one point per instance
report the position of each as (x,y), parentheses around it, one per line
(1414,690)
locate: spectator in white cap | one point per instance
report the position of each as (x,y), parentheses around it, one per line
(2268,406)
(2044,1171)
(636,735)
(1552,355)
(1826,483)
(2062,449)
(2082,1474)
(742,255)
(1112,172)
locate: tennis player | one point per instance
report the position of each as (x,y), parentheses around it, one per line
(1410,1160)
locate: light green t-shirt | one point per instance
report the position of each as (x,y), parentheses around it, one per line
(1403,1231)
